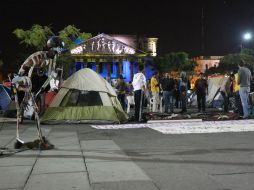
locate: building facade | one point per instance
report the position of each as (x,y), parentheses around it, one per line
(112,55)
(206,62)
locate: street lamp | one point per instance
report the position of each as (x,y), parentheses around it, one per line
(246,37)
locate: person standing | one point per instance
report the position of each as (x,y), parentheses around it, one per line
(238,108)
(225,92)
(155,89)
(139,86)
(183,87)
(176,93)
(121,91)
(168,85)
(201,88)
(244,78)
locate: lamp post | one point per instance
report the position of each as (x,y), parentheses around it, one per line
(246,37)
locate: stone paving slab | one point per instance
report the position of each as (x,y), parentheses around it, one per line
(58,153)
(123,185)
(6,139)
(173,176)
(58,181)
(115,171)
(101,170)
(14,176)
(17,160)
(57,165)
(236,180)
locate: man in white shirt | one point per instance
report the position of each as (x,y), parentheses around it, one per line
(139,85)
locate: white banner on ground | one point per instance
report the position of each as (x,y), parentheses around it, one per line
(123,126)
(186,127)
(205,127)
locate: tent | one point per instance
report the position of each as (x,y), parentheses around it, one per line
(85,97)
(213,98)
(5,97)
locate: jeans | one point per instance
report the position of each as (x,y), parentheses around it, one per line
(168,101)
(201,99)
(183,97)
(226,101)
(121,98)
(244,94)
(238,103)
(138,99)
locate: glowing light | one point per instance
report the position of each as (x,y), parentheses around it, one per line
(152,43)
(247,36)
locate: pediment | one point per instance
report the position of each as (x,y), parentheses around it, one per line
(104,44)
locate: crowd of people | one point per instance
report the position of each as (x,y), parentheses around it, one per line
(174,91)
(146,92)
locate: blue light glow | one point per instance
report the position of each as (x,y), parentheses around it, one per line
(94,66)
(114,71)
(148,71)
(126,72)
(104,71)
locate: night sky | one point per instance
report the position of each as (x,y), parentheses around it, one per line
(177,24)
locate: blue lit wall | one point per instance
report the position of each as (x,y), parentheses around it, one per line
(114,70)
(94,67)
(126,72)
(79,65)
(104,71)
(76,66)
(135,67)
(126,69)
(149,71)
(91,65)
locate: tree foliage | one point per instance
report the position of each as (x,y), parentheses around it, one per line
(63,62)
(175,61)
(69,33)
(36,37)
(230,62)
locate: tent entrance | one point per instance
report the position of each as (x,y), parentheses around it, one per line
(81,98)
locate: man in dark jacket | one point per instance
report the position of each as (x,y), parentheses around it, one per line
(167,85)
(121,87)
(183,88)
(201,88)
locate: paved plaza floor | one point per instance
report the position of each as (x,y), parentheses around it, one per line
(152,156)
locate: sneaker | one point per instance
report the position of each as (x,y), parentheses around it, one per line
(240,117)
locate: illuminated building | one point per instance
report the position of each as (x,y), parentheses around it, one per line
(206,62)
(112,55)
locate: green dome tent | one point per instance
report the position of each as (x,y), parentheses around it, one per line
(85,97)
